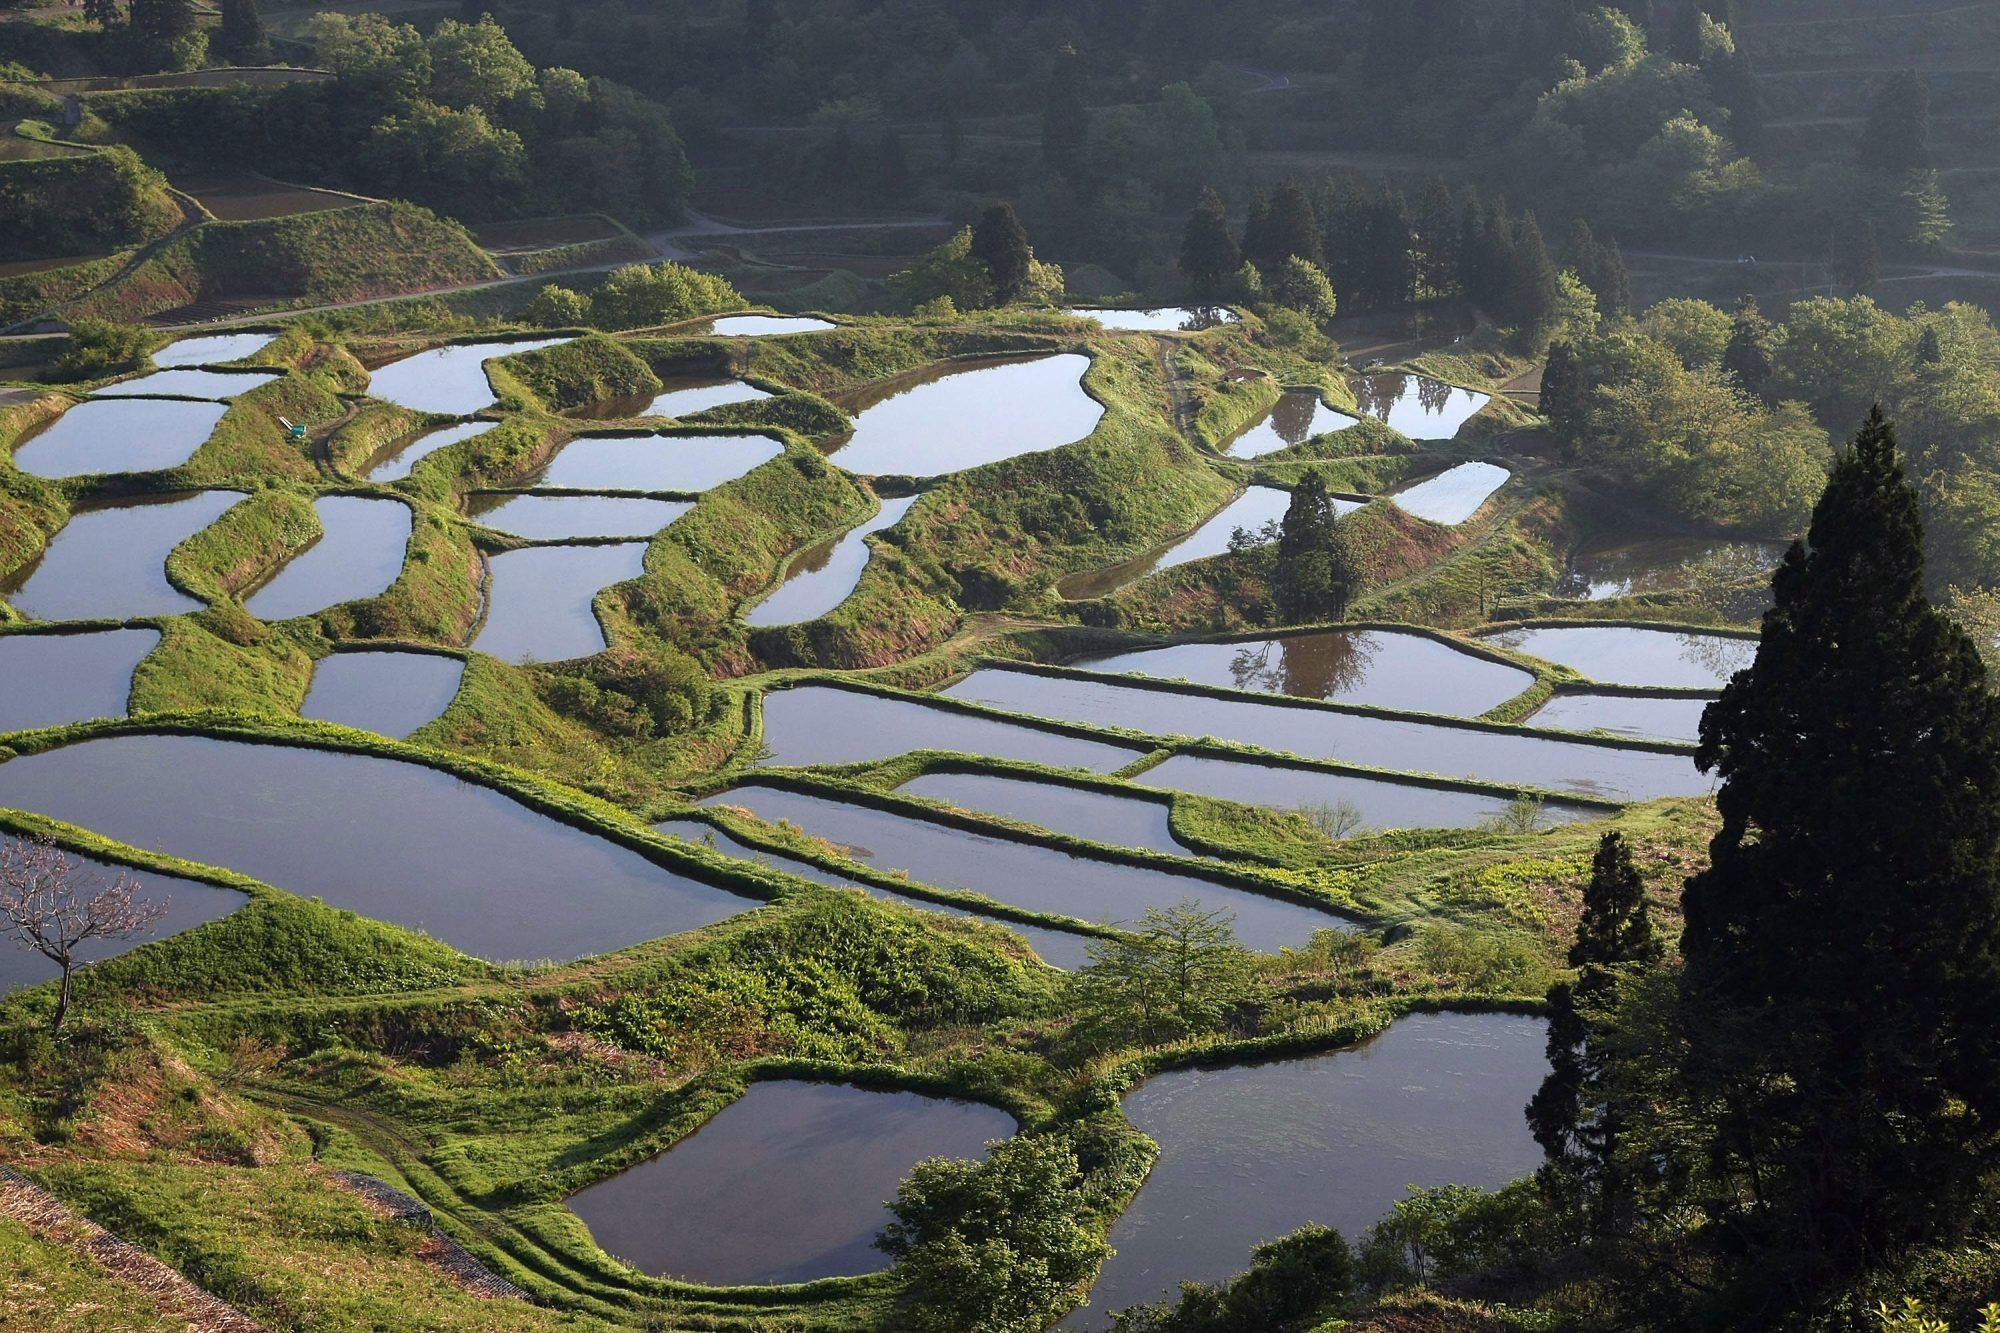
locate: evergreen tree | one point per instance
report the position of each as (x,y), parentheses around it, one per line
(892,167)
(1570,1114)
(1209,257)
(1563,395)
(1601,267)
(1284,226)
(1930,348)
(1530,293)
(1317,573)
(163,21)
(1437,240)
(1897,137)
(1842,949)
(1065,119)
(1856,256)
(241,33)
(1748,355)
(1000,242)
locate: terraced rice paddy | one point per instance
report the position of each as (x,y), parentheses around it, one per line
(961,416)
(539,600)
(451,380)
(110,561)
(389,692)
(1630,655)
(118,435)
(47,680)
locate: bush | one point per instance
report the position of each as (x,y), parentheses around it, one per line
(1291,1284)
(98,348)
(627,694)
(643,294)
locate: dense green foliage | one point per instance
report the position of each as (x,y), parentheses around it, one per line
(79,205)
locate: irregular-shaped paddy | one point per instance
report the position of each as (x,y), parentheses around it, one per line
(109,561)
(1250,512)
(958,416)
(762,326)
(683,397)
(1022,874)
(1376,803)
(358,554)
(569,517)
(685,463)
(538,600)
(785,1184)
(1100,816)
(1381,668)
(1618,568)
(189,902)
(1452,496)
(1064,949)
(220,385)
(1162,319)
(822,724)
(214,349)
(52,679)
(1418,407)
(825,576)
(387,839)
(389,692)
(1297,417)
(1252,1152)
(1510,758)
(1624,655)
(447,380)
(1666,719)
(118,435)
(399,459)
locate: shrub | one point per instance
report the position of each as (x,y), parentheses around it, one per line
(97,348)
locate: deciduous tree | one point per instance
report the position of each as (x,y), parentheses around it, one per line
(50,904)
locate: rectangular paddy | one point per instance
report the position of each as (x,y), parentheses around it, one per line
(47,680)
(687,464)
(821,724)
(447,380)
(1509,758)
(1629,655)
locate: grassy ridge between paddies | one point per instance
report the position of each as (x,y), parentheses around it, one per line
(101,200)
(587,369)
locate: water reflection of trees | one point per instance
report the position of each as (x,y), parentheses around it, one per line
(1721,657)
(1433,396)
(1309,666)
(1377,395)
(1292,418)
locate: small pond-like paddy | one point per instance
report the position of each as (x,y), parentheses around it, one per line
(1603,569)
(761,326)
(220,385)
(1250,511)
(963,415)
(1625,655)
(1250,1153)
(189,904)
(448,380)
(397,841)
(399,459)
(214,349)
(47,680)
(570,517)
(822,724)
(1452,496)
(1418,407)
(1378,804)
(1298,416)
(358,554)
(821,578)
(1025,875)
(685,463)
(1066,949)
(392,693)
(1382,668)
(787,1183)
(683,396)
(1100,816)
(109,562)
(538,600)
(118,435)
(1666,719)
(1163,319)
(1514,759)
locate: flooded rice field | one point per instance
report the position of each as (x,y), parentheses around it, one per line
(1298,417)
(1616,567)
(1453,496)
(761,326)
(1664,719)
(1382,668)
(1418,407)
(448,380)
(571,517)
(47,680)
(823,577)
(1514,759)
(110,560)
(118,435)
(396,841)
(358,554)
(399,459)
(1250,512)
(1161,319)
(1025,875)
(214,349)
(682,396)
(220,385)
(820,724)
(785,1184)
(1625,655)
(683,463)
(966,414)
(1099,816)
(538,600)
(190,903)
(392,693)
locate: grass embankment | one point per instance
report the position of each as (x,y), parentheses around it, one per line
(585,370)
(102,200)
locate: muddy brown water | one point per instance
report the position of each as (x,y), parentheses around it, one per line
(107,435)
(392,840)
(392,693)
(1026,875)
(958,416)
(1383,668)
(787,1183)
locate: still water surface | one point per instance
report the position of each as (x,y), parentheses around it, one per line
(397,461)
(819,724)
(449,380)
(538,600)
(1418,407)
(389,692)
(960,416)
(109,561)
(358,554)
(1121,821)
(1297,417)
(118,435)
(47,680)
(826,575)
(1623,655)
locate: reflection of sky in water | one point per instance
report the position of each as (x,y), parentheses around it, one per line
(1419,407)
(1296,418)
(1623,655)
(1598,571)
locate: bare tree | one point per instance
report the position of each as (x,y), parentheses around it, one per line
(51,908)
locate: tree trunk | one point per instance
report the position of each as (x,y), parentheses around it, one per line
(62,999)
